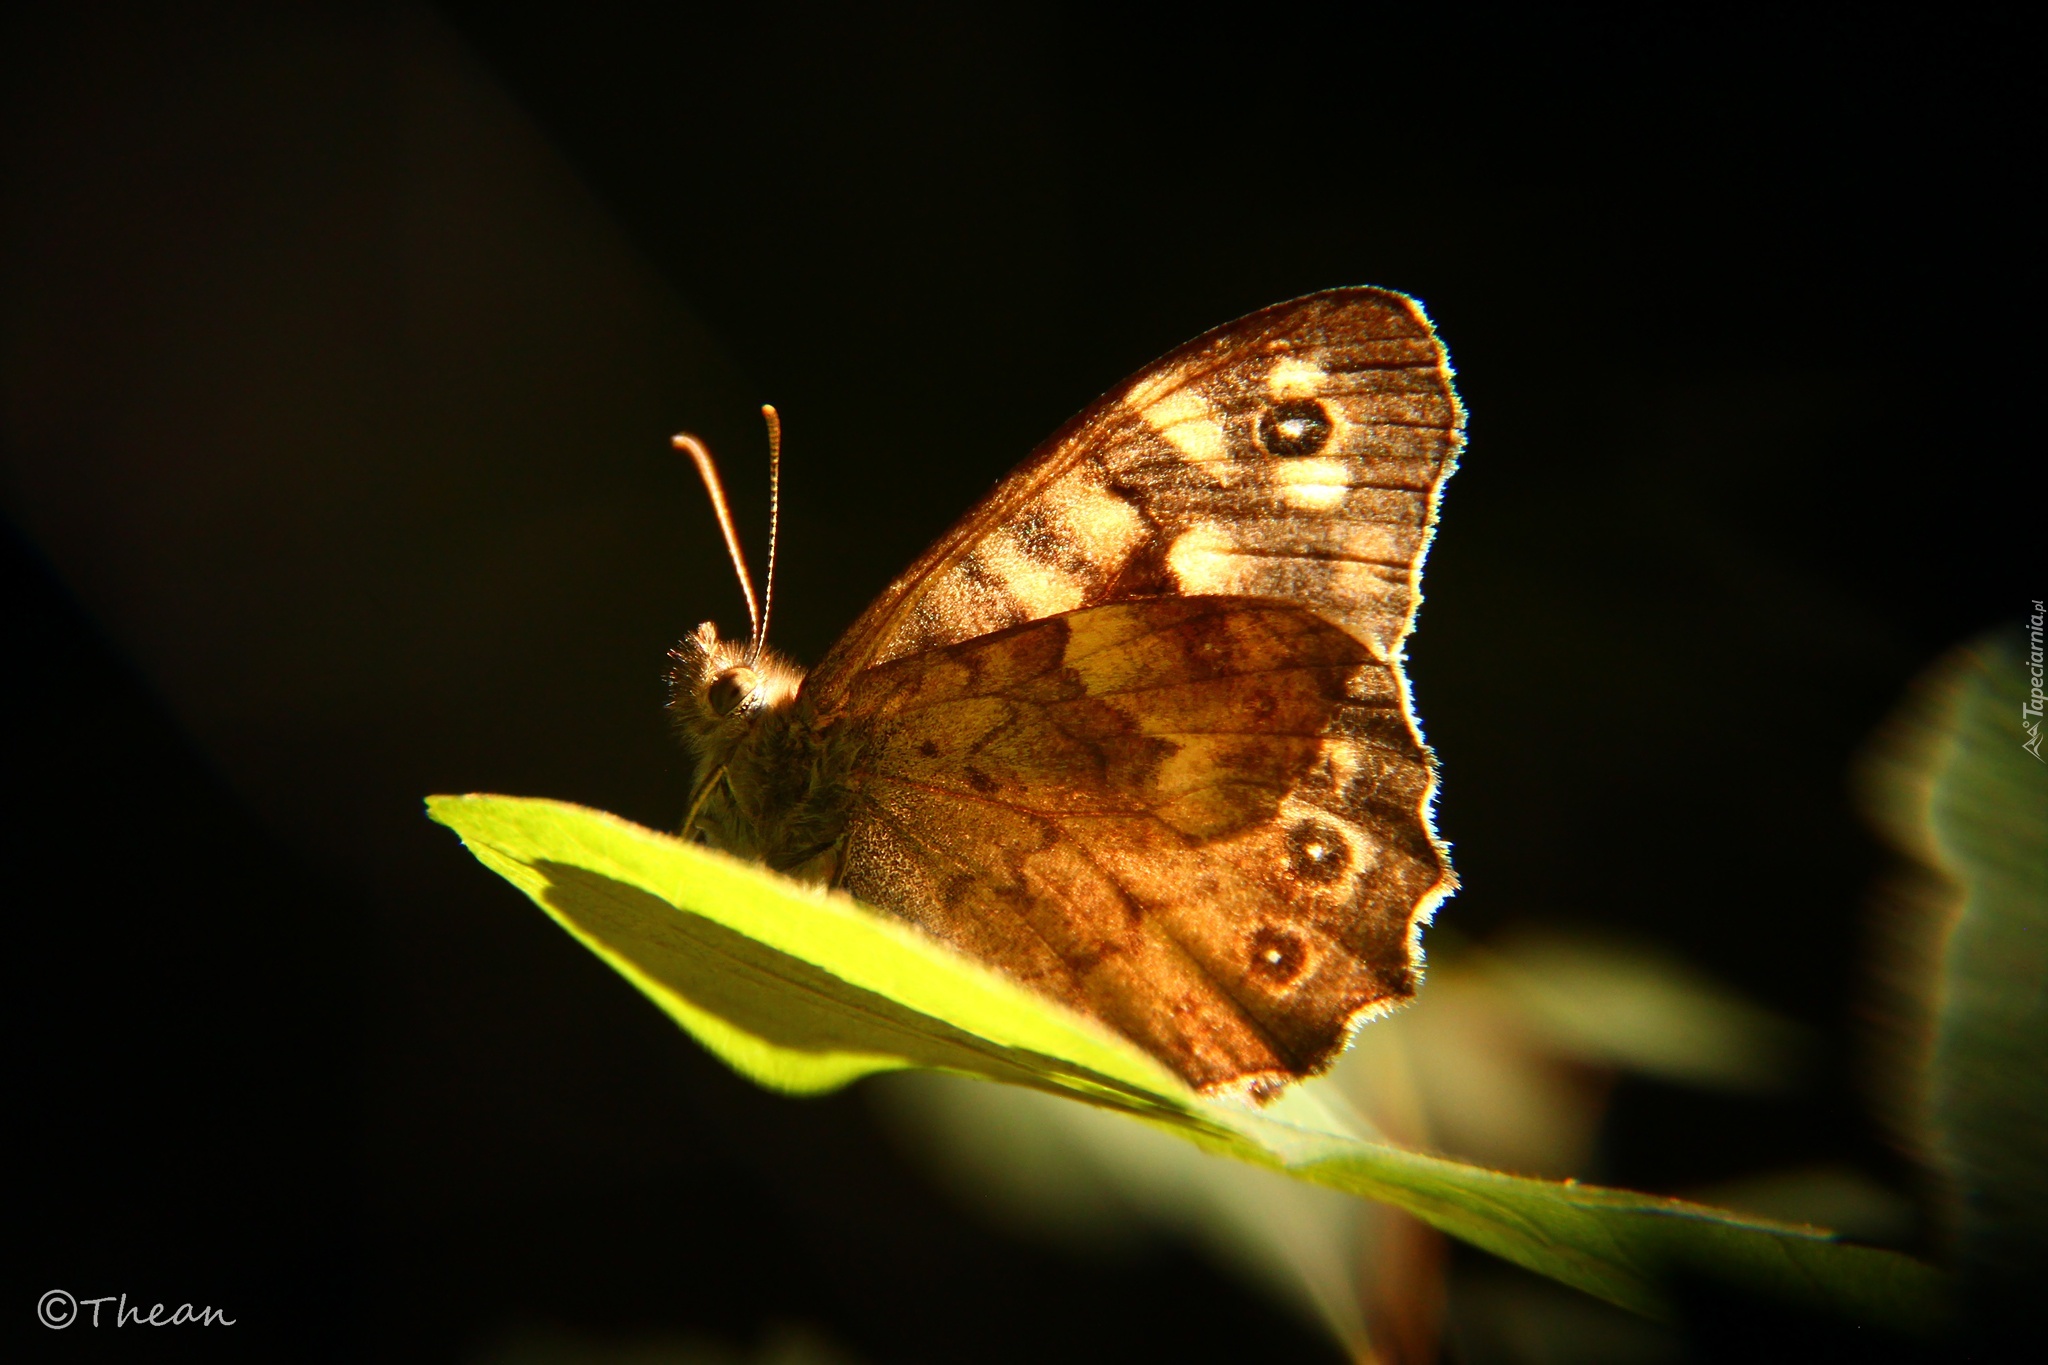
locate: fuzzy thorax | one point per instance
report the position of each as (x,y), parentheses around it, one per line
(769,783)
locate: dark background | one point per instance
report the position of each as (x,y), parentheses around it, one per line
(341,349)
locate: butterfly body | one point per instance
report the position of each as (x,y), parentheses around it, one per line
(772,783)
(1135,731)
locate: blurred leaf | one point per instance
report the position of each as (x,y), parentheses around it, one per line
(1636,1009)
(1476,1068)
(782,1344)
(1096,1182)
(1955,785)
(1837,1196)
(804,991)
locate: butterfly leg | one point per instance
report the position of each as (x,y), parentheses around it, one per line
(704,790)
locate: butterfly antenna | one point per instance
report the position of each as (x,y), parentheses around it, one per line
(774,525)
(707,469)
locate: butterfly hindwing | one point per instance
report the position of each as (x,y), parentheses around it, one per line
(1195,818)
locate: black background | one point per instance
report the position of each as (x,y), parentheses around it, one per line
(342,346)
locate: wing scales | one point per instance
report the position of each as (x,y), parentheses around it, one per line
(1161,812)
(1158,486)
(1135,730)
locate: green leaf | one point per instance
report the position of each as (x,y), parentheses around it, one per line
(803,991)
(1958,787)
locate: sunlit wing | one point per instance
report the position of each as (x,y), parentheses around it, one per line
(1136,729)
(1200,819)
(1295,453)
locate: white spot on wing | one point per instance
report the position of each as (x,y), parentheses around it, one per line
(1313,485)
(1185,418)
(1353,592)
(1104,527)
(1314,497)
(1202,562)
(1040,589)
(1292,377)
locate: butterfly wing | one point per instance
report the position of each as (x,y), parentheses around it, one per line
(1195,818)
(1136,731)
(1295,453)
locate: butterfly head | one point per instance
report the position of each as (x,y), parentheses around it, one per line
(719,689)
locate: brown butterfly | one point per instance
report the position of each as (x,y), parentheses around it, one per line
(1135,730)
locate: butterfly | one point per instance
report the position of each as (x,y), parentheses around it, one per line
(1135,731)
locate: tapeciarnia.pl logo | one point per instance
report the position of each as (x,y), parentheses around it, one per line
(2030,712)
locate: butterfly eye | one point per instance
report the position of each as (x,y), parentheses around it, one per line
(1316,853)
(731,688)
(1298,426)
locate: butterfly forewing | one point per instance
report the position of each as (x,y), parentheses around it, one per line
(1295,453)
(1135,730)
